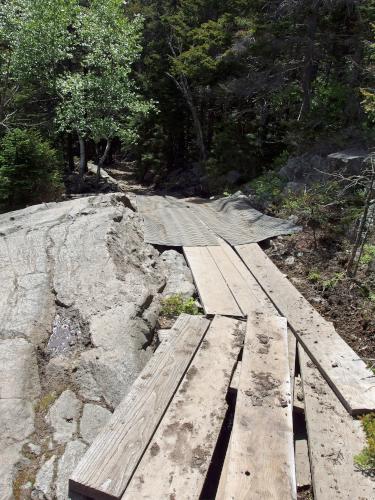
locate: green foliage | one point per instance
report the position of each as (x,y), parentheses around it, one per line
(29,168)
(268,186)
(365,460)
(175,305)
(314,276)
(98,97)
(368,254)
(332,282)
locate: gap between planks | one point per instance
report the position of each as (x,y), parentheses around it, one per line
(177,459)
(345,372)
(109,463)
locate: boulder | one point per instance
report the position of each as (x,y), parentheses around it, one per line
(43,486)
(63,416)
(73,453)
(93,420)
(180,280)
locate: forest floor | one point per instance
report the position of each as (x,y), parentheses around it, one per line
(319,274)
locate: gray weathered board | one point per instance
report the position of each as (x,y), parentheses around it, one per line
(108,465)
(339,364)
(261,454)
(215,295)
(334,440)
(177,459)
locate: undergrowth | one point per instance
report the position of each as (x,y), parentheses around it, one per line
(365,461)
(175,305)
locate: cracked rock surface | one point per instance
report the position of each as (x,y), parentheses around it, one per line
(81,295)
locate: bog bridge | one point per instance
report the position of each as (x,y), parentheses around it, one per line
(213,414)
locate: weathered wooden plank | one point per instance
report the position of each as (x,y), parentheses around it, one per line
(176,462)
(240,281)
(344,371)
(334,439)
(108,465)
(214,293)
(298,403)
(261,456)
(303,473)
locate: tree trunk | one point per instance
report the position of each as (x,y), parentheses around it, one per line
(82,159)
(183,85)
(308,73)
(70,153)
(102,159)
(359,237)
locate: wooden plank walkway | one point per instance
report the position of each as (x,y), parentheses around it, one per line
(176,461)
(108,465)
(261,455)
(339,364)
(334,439)
(215,295)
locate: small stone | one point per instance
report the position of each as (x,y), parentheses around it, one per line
(164,334)
(35,449)
(74,451)
(290,261)
(63,416)
(94,418)
(44,481)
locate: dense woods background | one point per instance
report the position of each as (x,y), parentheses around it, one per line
(204,84)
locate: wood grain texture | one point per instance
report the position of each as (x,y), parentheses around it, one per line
(109,463)
(240,281)
(303,473)
(339,364)
(215,295)
(176,462)
(261,455)
(334,439)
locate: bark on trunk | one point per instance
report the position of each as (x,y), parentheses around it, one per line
(102,159)
(308,73)
(70,153)
(183,86)
(82,157)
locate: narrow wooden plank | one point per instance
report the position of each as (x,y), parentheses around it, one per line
(261,456)
(176,462)
(334,439)
(214,293)
(240,281)
(220,494)
(339,364)
(109,463)
(298,403)
(303,473)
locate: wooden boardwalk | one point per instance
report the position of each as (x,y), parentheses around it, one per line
(172,437)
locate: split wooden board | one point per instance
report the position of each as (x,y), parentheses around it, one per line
(339,364)
(108,465)
(177,459)
(261,455)
(215,295)
(334,440)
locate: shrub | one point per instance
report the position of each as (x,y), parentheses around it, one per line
(365,460)
(368,254)
(176,305)
(331,283)
(29,169)
(314,276)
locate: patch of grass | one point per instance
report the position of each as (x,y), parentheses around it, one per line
(314,276)
(365,460)
(176,305)
(368,254)
(333,282)
(45,402)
